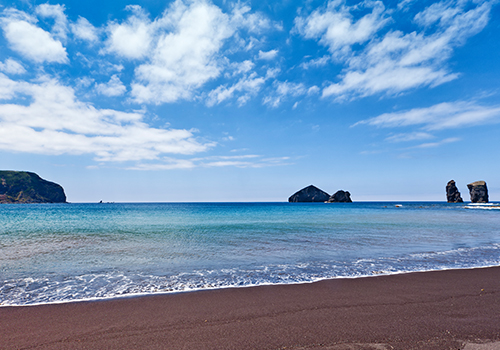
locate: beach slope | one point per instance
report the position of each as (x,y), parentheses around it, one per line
(452,309)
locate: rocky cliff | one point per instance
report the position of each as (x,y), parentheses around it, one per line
(340,196)
(478,192)
(26,187)
(452,193)
(309,194)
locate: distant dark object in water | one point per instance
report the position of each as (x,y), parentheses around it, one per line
(309,194)
(341,197)
(478,192)
(452,193)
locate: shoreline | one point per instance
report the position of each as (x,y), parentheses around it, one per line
(153,294)
(418,310)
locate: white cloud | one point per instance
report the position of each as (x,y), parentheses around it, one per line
(242,67)
(253,22)
(114,87)
(437,144)
(84,30)
(268,55)
(186,56)
(335,26)
(405,137)
(60,27)
(395,61)
(189,49)
(446,115)
(287,89)
(31,41)
(247,86)
(133,38)
(56,122)
(12,67)
(7,87)
(318,62)
(404,5)
(242,161)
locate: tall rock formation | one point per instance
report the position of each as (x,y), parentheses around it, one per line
(26,187)
(309,194)
(452,193)
(478,192)
(340,196)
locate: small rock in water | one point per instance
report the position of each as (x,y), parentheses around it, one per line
(340,196)
(452,193)
(478,192)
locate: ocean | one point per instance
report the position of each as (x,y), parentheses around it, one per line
(52,253)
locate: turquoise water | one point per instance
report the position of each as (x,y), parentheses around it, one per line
(66,252)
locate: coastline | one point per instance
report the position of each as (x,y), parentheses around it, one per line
(419,310)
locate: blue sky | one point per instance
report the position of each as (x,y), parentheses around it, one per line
(251,101)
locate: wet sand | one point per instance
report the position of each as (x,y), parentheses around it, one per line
(455,309)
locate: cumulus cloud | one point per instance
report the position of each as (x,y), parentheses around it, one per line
(393,61)
(56,122)
(84,30)
(186,56)
(29,40)
(448,115)
(188,50)
(114,87)
(131,39)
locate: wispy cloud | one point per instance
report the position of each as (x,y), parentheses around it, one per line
(406,137)
(391,61)
(241,161)
(336,28)
(446,115)
(11,66)
(439,143)
(285,89)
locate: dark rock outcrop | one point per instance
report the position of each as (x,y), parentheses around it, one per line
(309,194)
(478,192)
(26,187)
(340,196)
(452,193)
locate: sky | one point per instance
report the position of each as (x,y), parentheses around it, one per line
(209,101)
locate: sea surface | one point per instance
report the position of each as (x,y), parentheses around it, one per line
(52,253)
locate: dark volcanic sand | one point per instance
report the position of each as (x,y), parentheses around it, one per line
(430,310)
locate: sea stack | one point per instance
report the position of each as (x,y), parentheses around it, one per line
(452,193)
(340,197)
(478,192)
(309,194)
(26,187)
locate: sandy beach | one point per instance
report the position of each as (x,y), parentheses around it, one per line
(454,309)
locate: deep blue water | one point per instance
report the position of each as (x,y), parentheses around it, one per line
(64,252)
